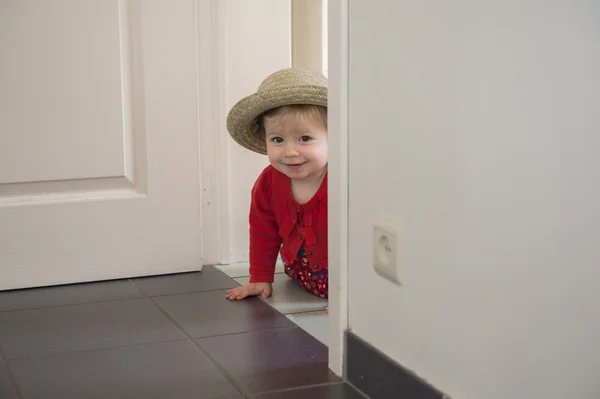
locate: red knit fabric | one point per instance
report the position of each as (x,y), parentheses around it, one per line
(277,222)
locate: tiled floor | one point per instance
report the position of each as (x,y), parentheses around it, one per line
(304,309)
(164,337)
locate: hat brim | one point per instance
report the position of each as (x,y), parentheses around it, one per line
(243,114)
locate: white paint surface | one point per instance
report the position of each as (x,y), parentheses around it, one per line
(338,182)
(474,126)
(254,41)
(99,113)
(309,34)
(43,95)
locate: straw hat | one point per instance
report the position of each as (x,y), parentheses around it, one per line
(285,87)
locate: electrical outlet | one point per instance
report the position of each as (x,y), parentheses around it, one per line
(386,251)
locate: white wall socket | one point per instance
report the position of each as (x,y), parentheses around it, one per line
(386,251)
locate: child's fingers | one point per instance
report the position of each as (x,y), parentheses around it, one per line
(238,293)
(233,293)
(242,295)
(266,292)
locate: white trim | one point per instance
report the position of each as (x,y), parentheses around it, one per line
(338,182)
(222,150)
(324,35)
(213,140)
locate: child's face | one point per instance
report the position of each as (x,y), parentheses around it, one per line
(297,146)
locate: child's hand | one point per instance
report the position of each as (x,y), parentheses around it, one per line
(250,289)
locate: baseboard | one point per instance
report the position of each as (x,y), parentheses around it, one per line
(380,377)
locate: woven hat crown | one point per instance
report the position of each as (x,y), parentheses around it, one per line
(289,86)
(292,78)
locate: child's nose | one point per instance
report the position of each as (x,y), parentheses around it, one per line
(290,151)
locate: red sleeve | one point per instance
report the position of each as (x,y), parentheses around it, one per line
(265,240)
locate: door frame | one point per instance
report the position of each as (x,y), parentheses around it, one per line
(337,39)
(213,137)
(214,162)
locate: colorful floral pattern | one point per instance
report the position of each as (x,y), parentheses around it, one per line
(313,281)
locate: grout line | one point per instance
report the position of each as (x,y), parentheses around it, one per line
(286,314)
(305,387)
(364,395)
(11,376)
(215,364)
(212,360)
(245,276)
(67,305)
(137,287)
(248,332)
(143,295)
(189,292)
(104,348)
(183,293)
(307,312)
(293,313)
(301,388)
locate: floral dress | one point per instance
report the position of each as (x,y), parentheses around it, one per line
(308,277)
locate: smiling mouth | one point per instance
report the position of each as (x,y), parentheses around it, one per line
(294,165)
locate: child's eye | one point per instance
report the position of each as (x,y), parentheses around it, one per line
(305,139)
(277,140)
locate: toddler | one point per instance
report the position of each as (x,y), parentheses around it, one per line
(286,119)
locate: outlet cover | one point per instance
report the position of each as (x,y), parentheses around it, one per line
(386,251)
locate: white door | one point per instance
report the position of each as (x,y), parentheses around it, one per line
(99,155)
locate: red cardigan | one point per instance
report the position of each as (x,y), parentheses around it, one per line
(277,222)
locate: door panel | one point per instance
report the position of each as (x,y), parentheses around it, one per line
(62,114)
(99,156)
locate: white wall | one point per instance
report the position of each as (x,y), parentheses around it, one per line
(308,34)
(475,126)
(255,41)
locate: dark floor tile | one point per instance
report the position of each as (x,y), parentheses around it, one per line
(161,370)
(337,391)
(82,327)
(210,278)
(6,387)
(68,295)
(206,314)
(271,360)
